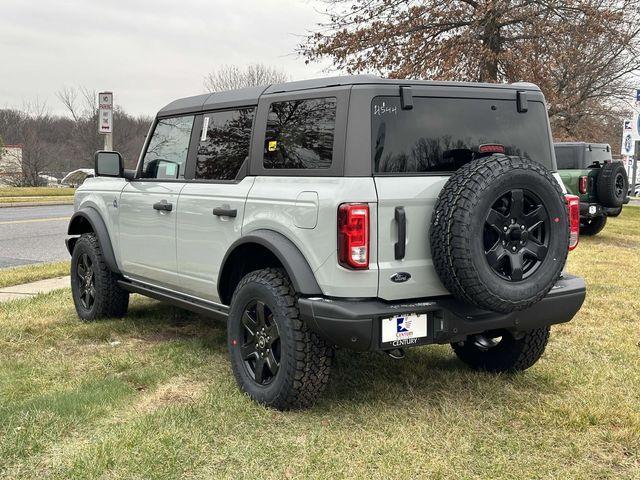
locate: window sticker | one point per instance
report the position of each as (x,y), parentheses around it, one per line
(205,129)
(273,145)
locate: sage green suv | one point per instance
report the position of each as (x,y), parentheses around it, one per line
(588,171)
(352,212)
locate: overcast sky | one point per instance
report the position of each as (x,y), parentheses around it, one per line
(148,52)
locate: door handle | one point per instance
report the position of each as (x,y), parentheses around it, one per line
(401,221)
(225,212)
(163,206)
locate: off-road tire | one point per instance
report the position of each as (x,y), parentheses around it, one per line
(109,299)
(510,355)
(458,222)
(612,184)
(305,359)
(615,213)
(592,226)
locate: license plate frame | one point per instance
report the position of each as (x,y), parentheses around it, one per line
(405,330)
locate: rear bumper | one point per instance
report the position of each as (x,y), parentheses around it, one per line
(591,210)
(356,324)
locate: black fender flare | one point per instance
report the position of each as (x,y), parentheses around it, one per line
(291,258)
(88,219)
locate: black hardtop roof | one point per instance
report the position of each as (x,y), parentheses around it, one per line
(250,96)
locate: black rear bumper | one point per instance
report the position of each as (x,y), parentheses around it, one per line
(356,324)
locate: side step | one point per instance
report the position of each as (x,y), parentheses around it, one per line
(210,309)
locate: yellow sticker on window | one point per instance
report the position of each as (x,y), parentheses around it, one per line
(273,144)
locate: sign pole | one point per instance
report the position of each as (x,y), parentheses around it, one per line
(634,175)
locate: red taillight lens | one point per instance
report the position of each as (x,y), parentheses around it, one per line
(582,184)
(353,235)
(573,205)
(491,148)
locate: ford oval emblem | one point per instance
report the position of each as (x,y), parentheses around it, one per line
(400,277)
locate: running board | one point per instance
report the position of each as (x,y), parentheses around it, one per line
(203,308)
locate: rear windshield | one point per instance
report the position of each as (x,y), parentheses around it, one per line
(442,134)
(568,156)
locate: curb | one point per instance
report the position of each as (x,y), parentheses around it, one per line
(34,204)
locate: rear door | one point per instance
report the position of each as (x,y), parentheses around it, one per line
(212,202)
(414,153)
(149,206)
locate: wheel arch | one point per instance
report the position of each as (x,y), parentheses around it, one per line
(261,249)
(88,220)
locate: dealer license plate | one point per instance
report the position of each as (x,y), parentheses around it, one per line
(404,330)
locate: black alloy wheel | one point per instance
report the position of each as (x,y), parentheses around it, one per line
(620,186)
(86,281)
(516,239)
(260,347)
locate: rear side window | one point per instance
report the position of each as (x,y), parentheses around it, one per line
(168,147)
(224,144)
(443,134)
(300,134)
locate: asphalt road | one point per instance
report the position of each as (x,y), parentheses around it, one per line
(33,234)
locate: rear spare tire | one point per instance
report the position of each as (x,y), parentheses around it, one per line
(499,233)
(612,184)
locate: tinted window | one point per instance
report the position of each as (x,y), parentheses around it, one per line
(226,144)
(567,157)
(167,151)
(442,134)
(300,134)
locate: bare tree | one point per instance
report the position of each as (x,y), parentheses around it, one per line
(233,77)
(582,53)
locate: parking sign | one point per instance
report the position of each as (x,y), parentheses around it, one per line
(105,112)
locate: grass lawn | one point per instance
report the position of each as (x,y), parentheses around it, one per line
(31,273)
(36,192)
(53,198)
(151,396)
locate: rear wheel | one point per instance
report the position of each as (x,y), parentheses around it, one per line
(275,358)
(592,226)
(95,289)
(501,352)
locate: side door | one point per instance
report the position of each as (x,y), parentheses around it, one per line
(213,200)
(149,204)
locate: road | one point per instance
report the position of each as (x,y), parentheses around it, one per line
(33,234)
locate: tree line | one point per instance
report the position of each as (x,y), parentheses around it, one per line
(56,144)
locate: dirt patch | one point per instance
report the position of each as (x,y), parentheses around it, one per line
(177,391)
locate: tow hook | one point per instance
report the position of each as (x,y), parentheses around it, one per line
(396,353)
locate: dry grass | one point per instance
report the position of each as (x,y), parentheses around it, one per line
(151,396)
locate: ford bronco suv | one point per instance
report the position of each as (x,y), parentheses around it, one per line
(589,172)
(352,212)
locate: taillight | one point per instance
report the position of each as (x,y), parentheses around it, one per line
(491,148)
(582,184)
(353,235)
(573,205)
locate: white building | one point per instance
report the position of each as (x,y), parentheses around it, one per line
(10,164)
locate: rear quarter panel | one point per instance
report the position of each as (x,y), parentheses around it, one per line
(304,209)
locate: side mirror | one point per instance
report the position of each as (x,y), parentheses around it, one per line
(108,164)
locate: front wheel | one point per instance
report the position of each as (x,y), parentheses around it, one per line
(592,226)
(275,358)
(501,351)
(95,289)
